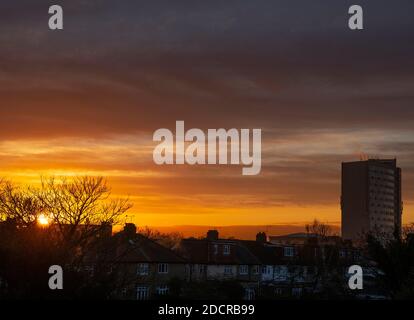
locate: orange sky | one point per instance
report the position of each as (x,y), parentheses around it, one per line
(87,100)
(297,192)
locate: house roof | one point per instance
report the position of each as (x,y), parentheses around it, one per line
(200,251)
(194,250)
(295,235)
(140,249)
(264,253)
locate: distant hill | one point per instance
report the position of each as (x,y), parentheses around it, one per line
(238,232)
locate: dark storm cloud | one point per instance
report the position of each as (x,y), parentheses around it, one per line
(138,65)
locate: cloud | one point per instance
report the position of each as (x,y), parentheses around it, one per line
(88,99)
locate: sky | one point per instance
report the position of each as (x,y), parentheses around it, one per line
(87,99)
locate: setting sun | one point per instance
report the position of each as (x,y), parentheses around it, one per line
(43,220)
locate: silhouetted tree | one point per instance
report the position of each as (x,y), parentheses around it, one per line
(81,213)
(81,210)
(395,263)
(18,204)
(329,279)
(168,240)
(321,230)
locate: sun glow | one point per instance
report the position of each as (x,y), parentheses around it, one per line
(43,220)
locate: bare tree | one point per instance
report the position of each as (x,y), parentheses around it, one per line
(407,230)
(327,279)
(81,207)
(19,204)
(168,240)
(81,213)
(321,230)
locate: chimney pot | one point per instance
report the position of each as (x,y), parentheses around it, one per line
(261,237)
(212,235)
(130,230)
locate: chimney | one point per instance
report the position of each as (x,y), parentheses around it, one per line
(130,230)
(261,237)
(106,230)
(212,235)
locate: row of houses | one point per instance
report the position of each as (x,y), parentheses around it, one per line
(280,266)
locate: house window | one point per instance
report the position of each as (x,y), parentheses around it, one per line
(228,270)
(277,270)
(289,251)
(142,293)
(143,269)
(163,290)
(249,294)
(243,270)
(266,269)
(163,268)
(256,269)
(215,249)
(226,249)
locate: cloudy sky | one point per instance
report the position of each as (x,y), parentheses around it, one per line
(86,100)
